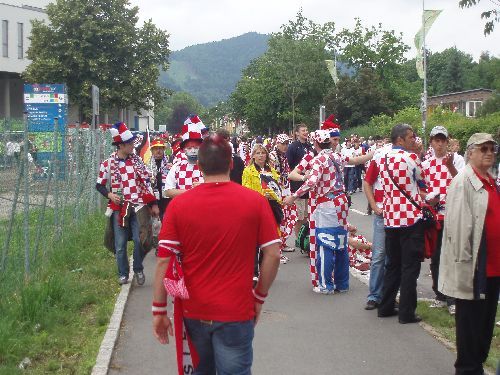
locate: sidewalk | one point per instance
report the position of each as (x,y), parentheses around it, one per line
(300,333)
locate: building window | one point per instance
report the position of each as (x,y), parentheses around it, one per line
(20,41)
(5,38)
(472,107)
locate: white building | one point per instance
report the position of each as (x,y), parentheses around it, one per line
(15,29)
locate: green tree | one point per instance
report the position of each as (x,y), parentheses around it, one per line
(493,15)
(374,47)
(491,105)
(98,42)
(449,71)
(355,100)
(287,83)
(175,109)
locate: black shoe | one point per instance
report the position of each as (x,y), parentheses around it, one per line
(415,319)
(388,314)
(371,305)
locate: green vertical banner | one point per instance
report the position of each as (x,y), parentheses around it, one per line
(428,18)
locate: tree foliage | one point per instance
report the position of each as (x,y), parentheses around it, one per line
(376,82)
(287,83)
(355,100)
(452,70)
(493,15)
(175,109)
(98,42)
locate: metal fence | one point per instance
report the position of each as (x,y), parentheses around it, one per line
(47,187)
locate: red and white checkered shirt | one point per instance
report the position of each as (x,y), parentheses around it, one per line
(323,178)
(126,177)
(178,157)
(437,179)
(305,162)
(183,175)
(406,170)
(372,176)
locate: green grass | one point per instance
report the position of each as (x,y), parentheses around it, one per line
(57,317)
(444,324)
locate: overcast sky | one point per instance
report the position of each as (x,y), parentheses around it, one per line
(199,21)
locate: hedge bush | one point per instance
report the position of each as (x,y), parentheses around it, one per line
(459,126)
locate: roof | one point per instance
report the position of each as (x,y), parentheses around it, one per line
(460,92)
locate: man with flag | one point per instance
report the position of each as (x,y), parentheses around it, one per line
(130,193)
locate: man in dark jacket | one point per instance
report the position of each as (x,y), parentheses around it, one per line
(294,155)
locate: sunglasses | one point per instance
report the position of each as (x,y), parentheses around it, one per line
(485,148)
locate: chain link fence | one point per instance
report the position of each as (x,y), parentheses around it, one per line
(47,188)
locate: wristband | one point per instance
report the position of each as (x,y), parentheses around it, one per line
(159,308)
(259,297)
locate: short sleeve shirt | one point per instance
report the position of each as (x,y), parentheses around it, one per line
(406,170)
(183,175)
(216,229)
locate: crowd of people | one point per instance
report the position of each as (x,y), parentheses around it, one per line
(220,243)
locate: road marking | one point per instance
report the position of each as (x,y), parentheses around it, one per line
(358,212)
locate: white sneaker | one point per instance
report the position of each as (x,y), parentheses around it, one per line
(284,259)
(288,249)
(451,309)
(437,304)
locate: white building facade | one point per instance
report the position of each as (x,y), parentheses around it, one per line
(15,29)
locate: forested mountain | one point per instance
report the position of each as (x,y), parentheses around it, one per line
(210,71)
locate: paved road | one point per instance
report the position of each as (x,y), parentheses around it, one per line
(300,333)
(363,222)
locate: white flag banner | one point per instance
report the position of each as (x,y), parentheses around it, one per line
(428,19)
(332,68)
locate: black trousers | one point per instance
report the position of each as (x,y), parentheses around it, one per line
(475,321)
(434,266)
(404,248)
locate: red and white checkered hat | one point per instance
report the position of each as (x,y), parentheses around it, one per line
(321,136)
(282,138)
(121,134)
(191,130)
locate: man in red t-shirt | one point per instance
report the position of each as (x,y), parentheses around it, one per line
(214,229)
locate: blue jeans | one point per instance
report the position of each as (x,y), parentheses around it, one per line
(224,348)
(377,267)
(121,238)
(350,182)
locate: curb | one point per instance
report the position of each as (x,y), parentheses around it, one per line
(103,359)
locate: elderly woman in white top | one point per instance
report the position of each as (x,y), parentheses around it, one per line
(470,253)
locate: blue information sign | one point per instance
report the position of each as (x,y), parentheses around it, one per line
(43,103)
